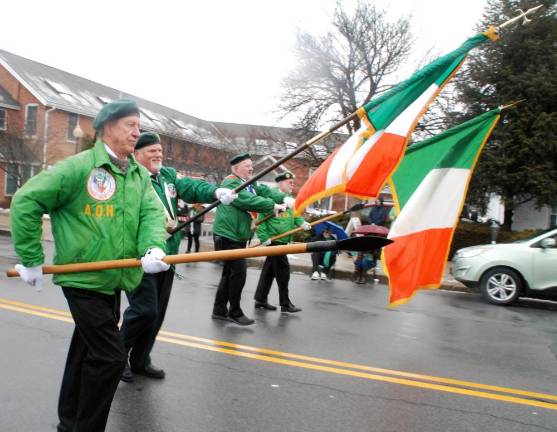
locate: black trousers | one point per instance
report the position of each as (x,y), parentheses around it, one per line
(193,238)
(274,267)
(317,259)
(144,316)
(96,359)
(232,280)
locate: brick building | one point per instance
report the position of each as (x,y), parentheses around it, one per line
(46,115)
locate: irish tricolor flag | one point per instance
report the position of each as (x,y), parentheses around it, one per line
(363,163)
(429,188)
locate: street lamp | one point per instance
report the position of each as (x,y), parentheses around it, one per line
(78,134)
(494,228)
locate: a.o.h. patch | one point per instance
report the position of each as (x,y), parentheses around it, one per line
(101,185)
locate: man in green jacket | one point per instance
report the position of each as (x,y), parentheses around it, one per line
(147,304)
(232,229)
(102,206)
(277,266)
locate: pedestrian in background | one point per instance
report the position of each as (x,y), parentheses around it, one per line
(194,229)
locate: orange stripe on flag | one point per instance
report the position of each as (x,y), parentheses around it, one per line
(376,166)
(412,265)
(315,184)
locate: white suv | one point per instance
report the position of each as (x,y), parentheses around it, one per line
(505,272)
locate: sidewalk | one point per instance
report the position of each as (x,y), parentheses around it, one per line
(301,263)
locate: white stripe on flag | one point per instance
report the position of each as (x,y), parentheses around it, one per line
(355,162)
(435,203)
(405,120)
(345,152)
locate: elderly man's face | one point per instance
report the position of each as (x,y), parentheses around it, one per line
(150,157)
(121,135)
(243,169)
(286,186)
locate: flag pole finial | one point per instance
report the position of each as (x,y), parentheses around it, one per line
(523,15)
(510,105)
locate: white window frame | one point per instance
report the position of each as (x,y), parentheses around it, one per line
(26,118)
(5,126)
(33,168)
(69,135)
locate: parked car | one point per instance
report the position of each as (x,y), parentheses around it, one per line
(505,272)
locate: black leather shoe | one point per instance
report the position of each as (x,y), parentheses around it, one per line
(266,306)
(290,308)
(127,375)
(150,371)
(241,320)
(220,317)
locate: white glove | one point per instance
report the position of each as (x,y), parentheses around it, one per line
(279,208)
(289,202)
(152,261)
(225,196)
(31,275)
(306,226)
(266,242)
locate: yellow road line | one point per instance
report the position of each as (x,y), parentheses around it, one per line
(332,366)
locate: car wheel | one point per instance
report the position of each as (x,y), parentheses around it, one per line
(501,285)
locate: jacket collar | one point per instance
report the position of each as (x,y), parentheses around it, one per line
(101,158)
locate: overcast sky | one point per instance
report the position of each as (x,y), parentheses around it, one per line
(217,60)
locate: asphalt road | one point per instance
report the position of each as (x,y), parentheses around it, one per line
(445,361)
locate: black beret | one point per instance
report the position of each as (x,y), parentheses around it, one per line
(146,139)
(239,158)
(284,176)
(115,110)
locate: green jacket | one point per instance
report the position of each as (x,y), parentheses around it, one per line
(97,213)
(274,226)
(234,221)
(169,189)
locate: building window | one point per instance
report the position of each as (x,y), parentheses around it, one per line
(72,124)
(553,217)
(3,119)
(15,176)
(31,120)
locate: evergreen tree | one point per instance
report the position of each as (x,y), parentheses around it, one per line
(519,162)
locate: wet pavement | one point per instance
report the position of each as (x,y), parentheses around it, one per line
(446,361)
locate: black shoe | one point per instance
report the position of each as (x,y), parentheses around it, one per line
(264,305)
(220,317)
(290,308)
(150,371)
(241,320)
(127,375)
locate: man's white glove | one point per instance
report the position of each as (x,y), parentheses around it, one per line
(289,201)
(306,226)
(152,261)
(279,208)
(266,242)
(225,196)
(31,275)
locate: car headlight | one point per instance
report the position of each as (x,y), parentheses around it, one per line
(470,252)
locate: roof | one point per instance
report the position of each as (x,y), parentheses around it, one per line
(6,101)
(68,92)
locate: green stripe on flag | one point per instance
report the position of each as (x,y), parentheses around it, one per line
(384,109)
(455,148)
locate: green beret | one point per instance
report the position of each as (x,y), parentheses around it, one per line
(284,176)
(115,110)
(146,139)
(239,158)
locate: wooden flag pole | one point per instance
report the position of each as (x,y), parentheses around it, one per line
(353,244)
(355,207)
(278,163)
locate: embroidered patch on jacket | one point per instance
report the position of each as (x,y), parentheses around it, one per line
(101,185)
(172,190)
